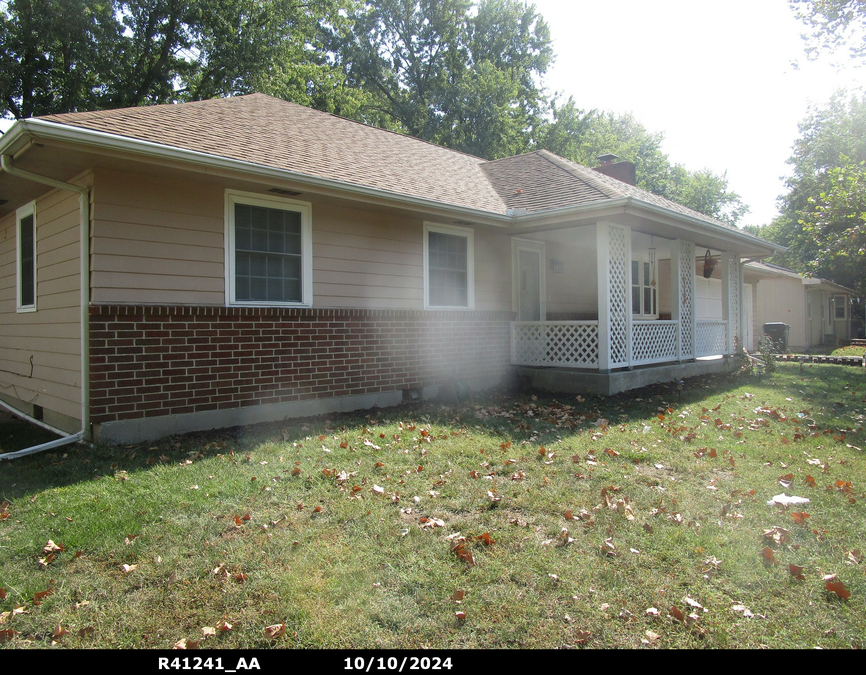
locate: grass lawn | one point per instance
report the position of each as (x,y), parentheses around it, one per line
(637,521)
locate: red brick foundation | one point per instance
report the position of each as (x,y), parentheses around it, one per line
(151,361)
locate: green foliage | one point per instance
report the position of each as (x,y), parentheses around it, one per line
(584,135)
(438,71)
(72,55)
(836,220)
(818,220)
(834,25)
(767,349)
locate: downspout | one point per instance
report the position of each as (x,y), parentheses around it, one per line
(84,259)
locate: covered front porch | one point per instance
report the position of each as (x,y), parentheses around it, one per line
(605,308)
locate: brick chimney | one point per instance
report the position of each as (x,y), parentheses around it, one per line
(622,171)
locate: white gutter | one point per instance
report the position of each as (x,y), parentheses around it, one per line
(84,255)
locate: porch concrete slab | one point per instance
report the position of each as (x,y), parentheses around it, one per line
(570,381)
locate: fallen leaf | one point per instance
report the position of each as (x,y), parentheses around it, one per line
(677,613)
(208,631)
(652,636)
(796,571)
(183,643)
(739,607)
(51,547)
(275,631)
(223,626)
(128,568)
(457,596)
(799,517)
(767,555)
(59,632)
(461,616)
(838,588)
(581,637)
(6,635)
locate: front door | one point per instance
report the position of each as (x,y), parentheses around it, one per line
(529,294)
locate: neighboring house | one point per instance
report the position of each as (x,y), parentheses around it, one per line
(818,311)
(171,268)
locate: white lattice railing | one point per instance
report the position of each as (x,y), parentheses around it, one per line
(555,343)
(711,338)
(653,342)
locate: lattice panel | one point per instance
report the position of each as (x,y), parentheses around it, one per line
(618,285)
(711,338)
(734,299)
(565,343)
(687,296)
(654,342)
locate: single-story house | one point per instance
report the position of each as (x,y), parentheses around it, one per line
(818,311)
(180,267)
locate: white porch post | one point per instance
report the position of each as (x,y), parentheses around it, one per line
(683,296)
(732,290)
(613,264)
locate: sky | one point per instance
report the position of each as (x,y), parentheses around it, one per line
(716,78)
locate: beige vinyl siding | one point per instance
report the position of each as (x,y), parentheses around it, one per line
(366,259)
(161,241)
(50,335)
(157,241)
(492,272)
(783,299)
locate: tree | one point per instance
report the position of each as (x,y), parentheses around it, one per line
(582,136)
(834,24)
(836,220)
(831,136)
(451,73)
(71,55)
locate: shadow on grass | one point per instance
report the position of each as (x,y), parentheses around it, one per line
(83,462)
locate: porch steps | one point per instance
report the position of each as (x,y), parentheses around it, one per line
(821,358)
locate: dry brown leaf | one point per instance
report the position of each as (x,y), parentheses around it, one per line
(796,571)
(128,568)
(59,632)
(41,595)
(6,635)
(457,596)
(223,626)
(2,593)
(275,631)
(767,555)
(183,643)
(838,588)
(677,613)
(461,616)
(208,631)
(581,637)
(799,517)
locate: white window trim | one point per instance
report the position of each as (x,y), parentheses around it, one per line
(470,264)
(23,212)
(642,260)
(255,199)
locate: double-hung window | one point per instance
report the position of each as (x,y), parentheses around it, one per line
(269,250)
(840,305)
(26,258)
(449,267)
(644,293)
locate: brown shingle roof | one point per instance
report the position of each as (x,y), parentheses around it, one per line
(282,135)
(274,133)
